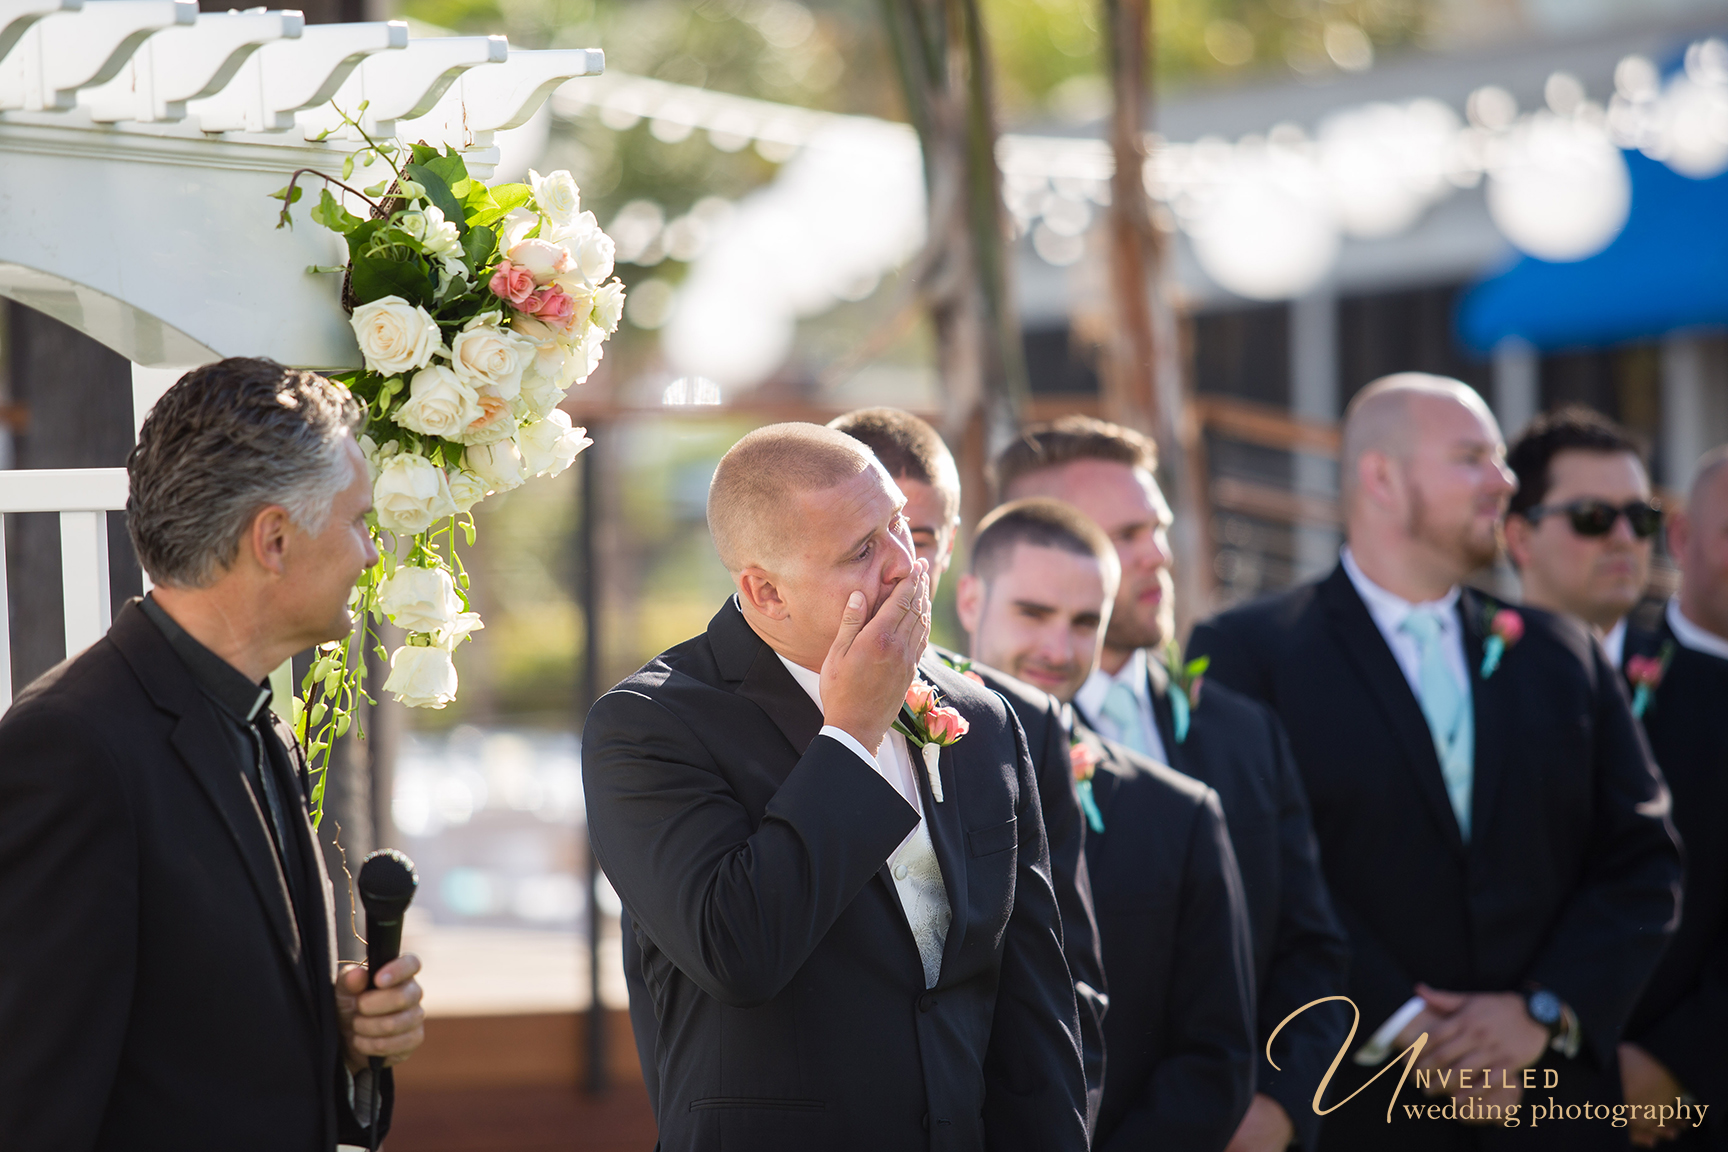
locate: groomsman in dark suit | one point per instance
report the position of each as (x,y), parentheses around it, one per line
(1493,829)
(1229,743)
(1180,1031)
(922,467)
(844,942)
(1678,657)
(1582,523)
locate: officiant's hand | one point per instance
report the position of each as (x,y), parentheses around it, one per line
(872,661)
(1491,1030)
(386,1021)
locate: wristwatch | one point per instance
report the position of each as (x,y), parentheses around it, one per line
(1565,1034)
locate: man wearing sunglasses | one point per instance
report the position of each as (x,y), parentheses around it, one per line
(1581,525)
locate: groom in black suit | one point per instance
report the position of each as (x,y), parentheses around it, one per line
(1179,1035)
(845,943)
(1232,744)
(168,969)
(1493,829)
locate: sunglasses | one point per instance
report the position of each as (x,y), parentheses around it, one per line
(1597,517)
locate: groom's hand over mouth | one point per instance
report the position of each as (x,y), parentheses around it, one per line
(872,661)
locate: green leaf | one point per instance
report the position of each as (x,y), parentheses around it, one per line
(1197,667)
(342,725)
(347,166)
(478,246)
(319,710)
(378,188)
(330,213)
(321,269)
(411,278)
(438,192)
(424,152)
(505,199)
(289,192)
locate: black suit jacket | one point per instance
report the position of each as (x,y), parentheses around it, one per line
(1571,876)
(786,990)
(1180,1031)
(1040,716)
(153,991)
(1682,1018)
(1237,747)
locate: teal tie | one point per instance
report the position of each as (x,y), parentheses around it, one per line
(1448,712)
(1122,708)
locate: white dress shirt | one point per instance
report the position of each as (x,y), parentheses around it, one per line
(916,871)
(1691,636)
(1614,643)
(1133,676)
(1389,611)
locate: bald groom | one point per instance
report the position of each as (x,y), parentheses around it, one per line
(834,947)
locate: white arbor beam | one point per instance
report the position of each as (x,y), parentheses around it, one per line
(495,97)
(185,63)
(66,51)
(402,85)
(287,76)
(17,15)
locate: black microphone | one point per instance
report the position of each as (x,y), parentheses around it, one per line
(386,884)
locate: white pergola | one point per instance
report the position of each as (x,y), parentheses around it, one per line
(139,143)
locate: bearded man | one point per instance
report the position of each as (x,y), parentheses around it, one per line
(1492,827)
(842,942)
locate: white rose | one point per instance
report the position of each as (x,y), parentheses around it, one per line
(498,424)
(544,259)
(609,306)
(466,489)
(559,201)
(420,599)
(541,390)
(594,254)
(549,446)
(498,464)
(457,630)
(410,493)
(422,677)
(588,356)
(395,336)
(488,357)
(517,223)
(439,404)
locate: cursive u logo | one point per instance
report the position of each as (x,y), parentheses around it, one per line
(1408,1056)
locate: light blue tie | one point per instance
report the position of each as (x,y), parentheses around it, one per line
(1122,708)
(1450,718)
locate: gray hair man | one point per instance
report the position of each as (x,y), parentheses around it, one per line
(167,959)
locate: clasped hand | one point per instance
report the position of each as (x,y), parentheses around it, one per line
(385,1021)
(1473,1032)
(871,662)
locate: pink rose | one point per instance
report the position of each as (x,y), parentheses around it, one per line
(973,676)
(512,282)
(551,306)
(1083,760)
(920,698)
(1644,670)
(543,259)
(945,725)
(1509,626)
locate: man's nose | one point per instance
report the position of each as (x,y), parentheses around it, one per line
(899,559)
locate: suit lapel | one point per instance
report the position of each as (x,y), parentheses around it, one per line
(1493,723)
(747,660)
(1158,681)
(947,829)
(1378,672)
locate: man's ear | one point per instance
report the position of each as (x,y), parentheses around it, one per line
(267,542)
(1378,477)
(1518,532)
(969,603)
(758,590)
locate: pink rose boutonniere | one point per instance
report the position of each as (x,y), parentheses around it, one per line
(931,726)
(1083,759)
(1505,628)
(1645,674)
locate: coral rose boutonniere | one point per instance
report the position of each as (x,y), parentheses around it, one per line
(1645,674)
(931,725)
(1185,681)
(1083,759)
(1505,628)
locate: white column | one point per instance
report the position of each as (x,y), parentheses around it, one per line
(1517,385)
(1314,396)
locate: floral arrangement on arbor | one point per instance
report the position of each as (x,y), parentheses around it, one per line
(475,309)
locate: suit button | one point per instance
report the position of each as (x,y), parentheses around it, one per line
(926,1002)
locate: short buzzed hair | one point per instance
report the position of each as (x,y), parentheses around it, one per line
(1574,428)
(1069,439)
(1708,465)
(1041,523)
(1377,418)
(909,448)
(760,474)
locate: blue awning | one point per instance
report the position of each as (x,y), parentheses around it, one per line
(1667,270)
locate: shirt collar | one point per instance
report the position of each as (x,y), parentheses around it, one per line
(1689,634)
(223,682)
(1614,643)
(810,681)
(1090,698)
(1389,608)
